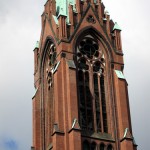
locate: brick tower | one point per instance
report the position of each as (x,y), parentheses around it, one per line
(81,99)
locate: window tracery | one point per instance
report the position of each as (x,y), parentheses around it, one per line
(51,53)
(91,85)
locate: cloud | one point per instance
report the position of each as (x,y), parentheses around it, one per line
(20,23)
(8,144)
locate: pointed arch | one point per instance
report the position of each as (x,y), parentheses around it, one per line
(48,54)
(109,147)
(91,64)
(93,31)
(93,146)
(49,40)
(102,146)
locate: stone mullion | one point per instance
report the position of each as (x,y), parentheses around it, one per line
(99,100)
(51,109)
(101,111)
(93,97)
(84,90)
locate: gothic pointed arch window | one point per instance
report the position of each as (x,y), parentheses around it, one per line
(93,146)
(102,146)
(47,79)
(91,84)
(109,147)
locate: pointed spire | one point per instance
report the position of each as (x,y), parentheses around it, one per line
(116,27)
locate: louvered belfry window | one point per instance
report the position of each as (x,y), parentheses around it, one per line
(91,85)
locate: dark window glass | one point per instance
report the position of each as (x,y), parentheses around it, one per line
(86,114)
(109,147)
(80,76)
(96,67)
(103,104)
(102,147)
(86,145)
(93,146)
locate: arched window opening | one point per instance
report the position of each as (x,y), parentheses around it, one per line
(86,145)
(91,85)
(93,146)
(48,60)
(109,147)
(102,146)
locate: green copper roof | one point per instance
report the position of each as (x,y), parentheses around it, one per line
(62,7)
(72,2)
(119,74)
(116,27)
(37,44)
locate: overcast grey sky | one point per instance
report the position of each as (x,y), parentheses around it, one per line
(20,26)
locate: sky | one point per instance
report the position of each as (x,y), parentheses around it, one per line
(20,27)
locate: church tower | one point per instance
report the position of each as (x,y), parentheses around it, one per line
(81,99)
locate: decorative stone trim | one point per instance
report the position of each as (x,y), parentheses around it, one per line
(91,19)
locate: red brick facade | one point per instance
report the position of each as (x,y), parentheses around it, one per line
(84,53)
